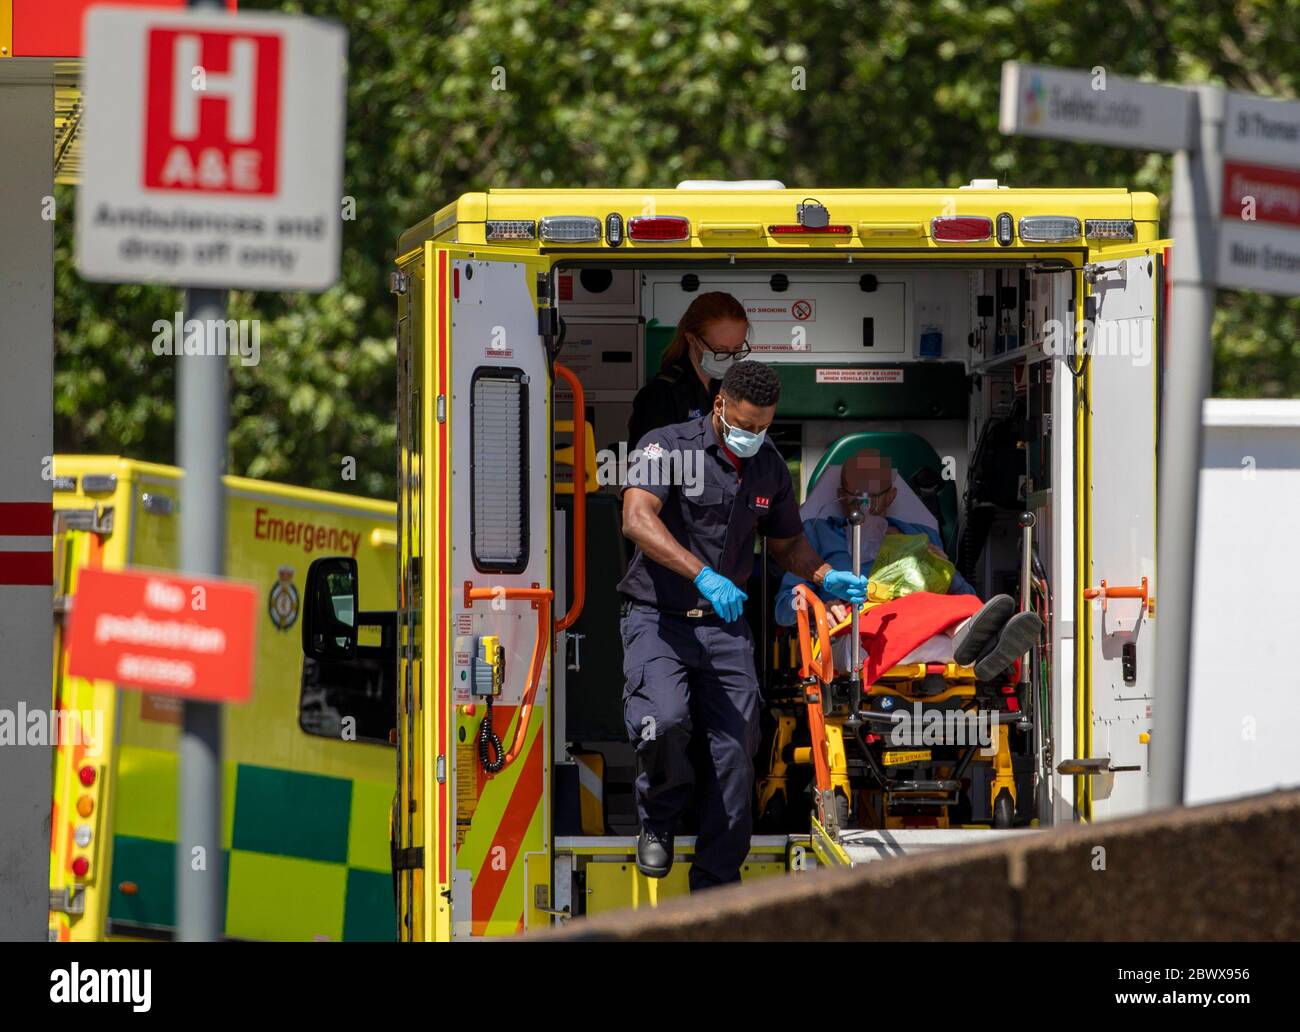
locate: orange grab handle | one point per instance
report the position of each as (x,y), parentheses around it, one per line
(579,498)
(824,667)
(1108,591)
(541,599)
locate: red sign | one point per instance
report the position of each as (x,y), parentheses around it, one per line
(45,29)
(173,635)
(213,111)
(1274,193)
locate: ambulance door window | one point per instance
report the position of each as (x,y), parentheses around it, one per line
(353,700)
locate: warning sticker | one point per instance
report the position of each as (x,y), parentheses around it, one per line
(464,623)
(467,786)
(779,309)
(859,376)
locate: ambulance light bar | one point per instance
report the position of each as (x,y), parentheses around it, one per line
(1110,229)
(510,229)
(658,227)
(570,229)
(961,229)
(1042,229)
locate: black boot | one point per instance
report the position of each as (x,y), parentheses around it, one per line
(654,854)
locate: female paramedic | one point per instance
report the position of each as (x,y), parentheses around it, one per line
(712,335)
(704,489)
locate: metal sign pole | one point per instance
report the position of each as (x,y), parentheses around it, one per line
(202,415)
(201,420)
(136,94)
(1197,189)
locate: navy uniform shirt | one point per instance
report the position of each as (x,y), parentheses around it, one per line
(675,395)
(713,509)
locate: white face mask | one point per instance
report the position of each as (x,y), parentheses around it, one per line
(715,367)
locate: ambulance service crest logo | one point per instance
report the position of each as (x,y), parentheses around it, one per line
(282,603)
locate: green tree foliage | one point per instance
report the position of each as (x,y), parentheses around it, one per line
(449,97)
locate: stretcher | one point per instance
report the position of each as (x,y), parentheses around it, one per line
(869,788)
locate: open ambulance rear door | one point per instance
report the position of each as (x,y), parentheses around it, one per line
(1117,418)
(472,850)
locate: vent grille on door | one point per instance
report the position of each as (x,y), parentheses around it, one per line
(499,473)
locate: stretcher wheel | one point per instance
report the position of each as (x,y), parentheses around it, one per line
(1004,810)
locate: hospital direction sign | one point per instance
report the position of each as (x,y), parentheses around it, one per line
(213,150)
(1093,107)
(1259,231)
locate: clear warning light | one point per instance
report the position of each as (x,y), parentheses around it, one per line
(1042,229)
(510,229)
(1110,229)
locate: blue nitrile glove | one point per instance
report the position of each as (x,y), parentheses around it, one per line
(843,584)
(727,599)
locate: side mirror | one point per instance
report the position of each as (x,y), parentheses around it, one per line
(329,622)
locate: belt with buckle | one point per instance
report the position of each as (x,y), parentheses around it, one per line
(689,614)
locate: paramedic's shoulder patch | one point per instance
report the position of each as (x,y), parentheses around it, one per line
(653,450)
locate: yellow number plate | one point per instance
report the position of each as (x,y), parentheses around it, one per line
(898,756)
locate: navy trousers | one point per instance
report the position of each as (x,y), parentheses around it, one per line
(693,677)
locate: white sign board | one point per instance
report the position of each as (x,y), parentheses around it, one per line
(213,149)
(1259,256)
(1093,107)
(1262,131)
(1259,231)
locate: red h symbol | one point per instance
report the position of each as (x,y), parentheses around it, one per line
(213,114)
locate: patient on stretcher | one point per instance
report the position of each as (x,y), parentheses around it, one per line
(922,627)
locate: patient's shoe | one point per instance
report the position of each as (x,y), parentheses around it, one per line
(1015,639)
(977,633)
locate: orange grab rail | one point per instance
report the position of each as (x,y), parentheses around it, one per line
(1109,591)
(824,667)
(579,498)
(824,671)
(541,600)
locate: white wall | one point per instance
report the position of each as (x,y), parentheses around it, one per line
(26,437)
(1244,720)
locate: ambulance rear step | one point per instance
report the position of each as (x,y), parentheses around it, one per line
(863,846)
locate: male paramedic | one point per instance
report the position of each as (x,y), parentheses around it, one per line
(705,488)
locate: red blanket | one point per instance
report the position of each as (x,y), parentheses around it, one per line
(891,630)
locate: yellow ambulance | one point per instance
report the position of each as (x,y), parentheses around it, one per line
(1001,346)
(308,781)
